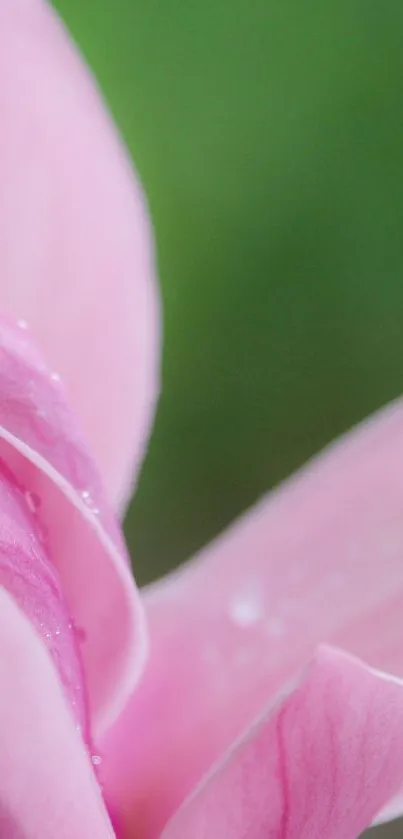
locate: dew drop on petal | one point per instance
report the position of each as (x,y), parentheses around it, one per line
(33,501)
(245,610)
(89,501)
(96,759)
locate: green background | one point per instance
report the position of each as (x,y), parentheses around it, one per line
(269,137)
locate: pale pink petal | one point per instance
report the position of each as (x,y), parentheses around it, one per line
(76,258)
(393,810)
(48,787)
(42,445)
(319,765)
(319,560)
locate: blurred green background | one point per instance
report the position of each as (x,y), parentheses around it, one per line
(269,137)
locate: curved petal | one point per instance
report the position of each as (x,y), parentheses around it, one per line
(76,258)
(27,573)
(43,447)
(47,784)
(320,560)
(320,764)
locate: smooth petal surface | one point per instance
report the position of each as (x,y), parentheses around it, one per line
(76,256)
(43,447)
(318,766)
(320,560)
(47,785)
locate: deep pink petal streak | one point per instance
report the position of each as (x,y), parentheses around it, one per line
(29,575)
(319,765)
(44,448)
(319,560)
(76,258)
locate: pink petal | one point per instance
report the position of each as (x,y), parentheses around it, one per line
(43,447)
(27,573)
(319,560)
(319,765)
(76,253)
(47,785)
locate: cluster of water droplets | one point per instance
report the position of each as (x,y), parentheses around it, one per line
(89,502)
(248,609)
(48,636)
(24,326)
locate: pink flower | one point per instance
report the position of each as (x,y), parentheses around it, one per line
(234,721)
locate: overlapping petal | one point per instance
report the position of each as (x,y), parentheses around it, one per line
(76,257)
(29,576)
(320,763)
(42,445)
(318,561)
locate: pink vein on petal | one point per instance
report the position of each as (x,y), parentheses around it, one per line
(319,762)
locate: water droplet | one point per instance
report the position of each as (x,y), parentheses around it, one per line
(96,759)
(245,610)
(89,501)
(57,631)
(22,323)
(33,501)
(48,636)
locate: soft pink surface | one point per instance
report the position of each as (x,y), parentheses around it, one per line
(319,560)
(42,445)
(28,574)
(319,765)
(76,255)
(48,789)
